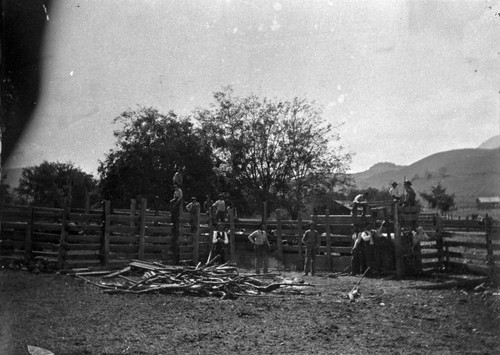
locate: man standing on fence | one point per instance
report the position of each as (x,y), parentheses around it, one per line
(194,210)
(311,240)
(220,208)
(261,246)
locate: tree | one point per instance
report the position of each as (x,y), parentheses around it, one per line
(5,192)
(271,149)
(50,183)
(149,147)
(438,198)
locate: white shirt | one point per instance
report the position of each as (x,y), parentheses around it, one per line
(394,191)
(367,237)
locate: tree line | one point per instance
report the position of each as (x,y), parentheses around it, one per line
(251,149)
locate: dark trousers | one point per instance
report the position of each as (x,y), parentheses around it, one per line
(219,250)
(220,215)
(310,263)
(357,261)
(355,206)
(371,258)
(261,258)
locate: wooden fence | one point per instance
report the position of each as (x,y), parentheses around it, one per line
(86,238)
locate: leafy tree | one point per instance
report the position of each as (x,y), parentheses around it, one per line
(6,196)
(149,146)
(273,150)
(49,183)
(438,198)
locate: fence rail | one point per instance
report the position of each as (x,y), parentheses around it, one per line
(79,238)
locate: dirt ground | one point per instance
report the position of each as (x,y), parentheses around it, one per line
(67,315)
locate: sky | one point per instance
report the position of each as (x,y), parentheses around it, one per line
(404,79)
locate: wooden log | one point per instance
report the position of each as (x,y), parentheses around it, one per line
(119,272)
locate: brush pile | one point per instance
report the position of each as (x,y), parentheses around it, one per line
(221,281)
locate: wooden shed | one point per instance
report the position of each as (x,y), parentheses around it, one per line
(488,202)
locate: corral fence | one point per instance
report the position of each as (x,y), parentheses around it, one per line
(72,238)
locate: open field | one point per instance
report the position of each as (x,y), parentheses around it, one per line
(69,316)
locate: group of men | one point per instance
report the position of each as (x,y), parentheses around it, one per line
(406,199)
(372,253)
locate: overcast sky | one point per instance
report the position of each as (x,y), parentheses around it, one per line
(406,78)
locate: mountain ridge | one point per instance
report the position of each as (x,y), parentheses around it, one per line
(468,173)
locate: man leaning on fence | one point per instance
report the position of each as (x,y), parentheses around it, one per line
(311,240)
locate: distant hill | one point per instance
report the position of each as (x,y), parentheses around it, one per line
(467,173)
(492,143)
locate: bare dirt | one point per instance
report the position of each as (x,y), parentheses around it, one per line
(66,315)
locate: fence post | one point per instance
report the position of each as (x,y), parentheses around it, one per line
(105,233)
(439,239)
(397,243)
(28,237)
(232,246)
(133,206)
(489,249)
(328,239)
(196,238)
(142,228)
(61,257)
(157,209)
(279,233)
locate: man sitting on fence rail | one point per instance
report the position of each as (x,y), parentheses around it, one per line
(360,200)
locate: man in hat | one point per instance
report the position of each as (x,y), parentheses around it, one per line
(175,210)
(410,195)
(394,192)
(194,211)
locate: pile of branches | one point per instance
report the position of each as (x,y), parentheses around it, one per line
(221,281)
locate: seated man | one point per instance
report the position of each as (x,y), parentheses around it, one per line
(360,200)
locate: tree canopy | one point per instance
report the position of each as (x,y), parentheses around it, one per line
(50,183)
(273,150)
(149,146)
